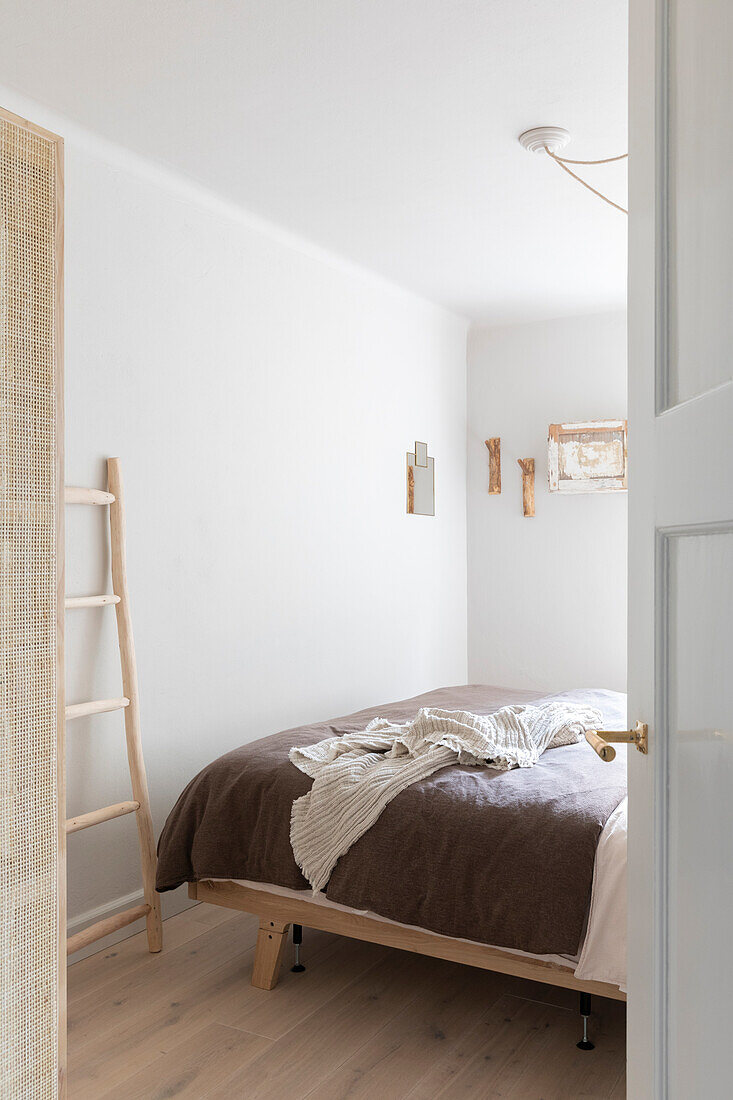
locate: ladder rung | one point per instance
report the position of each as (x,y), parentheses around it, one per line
(96,706)
(105,928)
(96,817)
(90,601)
(77,494)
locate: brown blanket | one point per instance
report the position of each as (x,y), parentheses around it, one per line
(504,858)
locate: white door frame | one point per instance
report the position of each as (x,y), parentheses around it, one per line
(645,818)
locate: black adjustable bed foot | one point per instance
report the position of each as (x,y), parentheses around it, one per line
(298,967)
(585,1043)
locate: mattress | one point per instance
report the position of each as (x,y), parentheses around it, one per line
(502,858)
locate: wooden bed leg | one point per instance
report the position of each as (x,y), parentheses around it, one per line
(271,940)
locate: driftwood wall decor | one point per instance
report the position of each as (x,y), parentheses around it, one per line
(587,457)
(526,465)
(420,482)
(494,447)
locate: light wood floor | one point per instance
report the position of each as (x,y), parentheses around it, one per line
(362,1021)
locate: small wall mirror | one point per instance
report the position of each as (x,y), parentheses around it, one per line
(420,482)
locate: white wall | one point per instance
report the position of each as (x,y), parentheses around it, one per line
(546,596)
(262,396)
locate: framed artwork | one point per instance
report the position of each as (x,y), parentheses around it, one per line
(587,457)
(420,482)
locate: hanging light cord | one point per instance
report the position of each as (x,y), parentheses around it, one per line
(564,162)
(605,160)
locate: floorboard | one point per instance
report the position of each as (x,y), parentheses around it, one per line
(118,962)
(191,1069)
(363,1021)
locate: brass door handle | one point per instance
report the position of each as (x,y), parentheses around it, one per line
(598,740)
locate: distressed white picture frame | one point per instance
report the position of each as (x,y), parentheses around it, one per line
(587,457)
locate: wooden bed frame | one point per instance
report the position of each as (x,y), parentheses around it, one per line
(276,913)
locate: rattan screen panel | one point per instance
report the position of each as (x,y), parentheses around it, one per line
(30,185)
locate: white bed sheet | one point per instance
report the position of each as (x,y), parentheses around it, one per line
(603,954)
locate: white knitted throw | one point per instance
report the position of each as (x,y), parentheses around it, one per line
(355,776)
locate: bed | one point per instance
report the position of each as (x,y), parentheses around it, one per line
(521,872)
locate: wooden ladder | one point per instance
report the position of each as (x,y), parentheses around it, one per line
(140,803)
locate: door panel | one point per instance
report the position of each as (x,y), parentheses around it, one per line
(700,182)
(700,892)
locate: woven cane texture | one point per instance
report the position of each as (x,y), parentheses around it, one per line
(28,798)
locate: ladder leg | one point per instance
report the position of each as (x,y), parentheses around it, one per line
(132,712)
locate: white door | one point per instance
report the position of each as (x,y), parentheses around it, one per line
(680,1037)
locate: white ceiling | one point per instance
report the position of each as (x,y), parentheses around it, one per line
(384,130)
